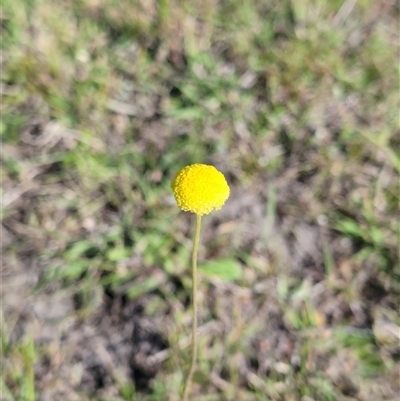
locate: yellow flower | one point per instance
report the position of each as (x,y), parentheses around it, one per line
(200,188)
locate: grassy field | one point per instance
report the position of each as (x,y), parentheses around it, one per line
(297,103)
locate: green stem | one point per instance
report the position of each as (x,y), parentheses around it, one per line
(194,303)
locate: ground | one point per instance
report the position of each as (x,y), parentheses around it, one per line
(297,103)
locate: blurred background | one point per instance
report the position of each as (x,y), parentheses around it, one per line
(296,102)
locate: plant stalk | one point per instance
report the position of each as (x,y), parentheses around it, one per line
(188,382)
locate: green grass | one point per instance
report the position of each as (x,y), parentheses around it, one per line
(18,381)
(296,102)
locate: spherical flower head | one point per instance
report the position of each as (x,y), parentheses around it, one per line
(200,188)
